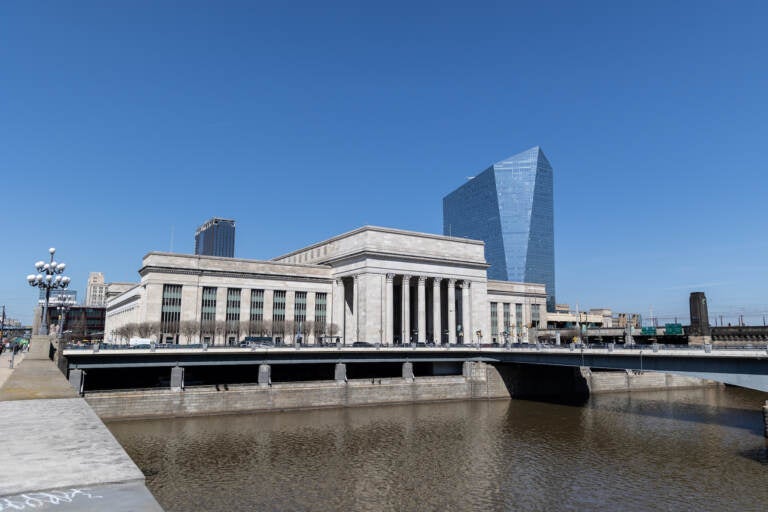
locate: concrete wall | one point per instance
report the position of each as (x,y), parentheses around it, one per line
(607,382)
(483,381)
(478,381)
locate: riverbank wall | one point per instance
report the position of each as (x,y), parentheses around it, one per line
(623,381)
(478,381)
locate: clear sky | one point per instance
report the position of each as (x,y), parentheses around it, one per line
(126,124)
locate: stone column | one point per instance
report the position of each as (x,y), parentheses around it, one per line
(309,337)
(406,310)
(77,380)
(290,310)
(408,371)
(177,378)
(245,312)
(265,375)
(466,322)
(355,309)
(221,314)
(436,311)
(452,311)
(422,311)
(337,307)
(389,296)
(340,372)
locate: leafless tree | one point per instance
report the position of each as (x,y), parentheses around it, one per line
(207,329)
(143,330)
(333,329)
(289,327)
(220,328)
(266,328)
(308,328)
(188,329)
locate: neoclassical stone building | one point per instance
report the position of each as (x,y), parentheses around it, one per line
(371,284)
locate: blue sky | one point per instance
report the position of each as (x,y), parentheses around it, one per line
(124,125)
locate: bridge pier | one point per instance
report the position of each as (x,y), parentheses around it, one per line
(340,372)
(765,417)
(177,378)
(77,380)
(265,375)
(408,371)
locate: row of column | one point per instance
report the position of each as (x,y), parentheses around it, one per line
(421,315)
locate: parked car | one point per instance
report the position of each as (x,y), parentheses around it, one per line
(362,344)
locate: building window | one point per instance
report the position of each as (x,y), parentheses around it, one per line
(494,319)
(300,307)
(170,312)
(208,312)
(535,315)
(300,311)
(233,311)
(519,316)
(257,305)
(507,325)
(321,300)
(278,312)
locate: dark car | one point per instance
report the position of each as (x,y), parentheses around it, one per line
(362,344)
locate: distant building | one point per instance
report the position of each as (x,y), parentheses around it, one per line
(96,293)
(216,237)
(115,289)
(510,206)
(371,284)
(58,296)
(76,323)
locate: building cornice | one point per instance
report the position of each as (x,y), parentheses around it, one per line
(363,253)
(378,229)
(124,302)
(149,269)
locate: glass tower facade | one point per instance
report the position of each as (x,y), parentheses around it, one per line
(216,238)
(510,206)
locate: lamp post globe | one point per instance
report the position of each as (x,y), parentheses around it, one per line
(49,277)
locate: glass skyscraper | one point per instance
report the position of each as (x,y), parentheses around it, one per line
(510,207)
(216,238)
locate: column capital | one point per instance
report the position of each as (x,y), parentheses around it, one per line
(390,277)
(407,277)
(451,281)
(339,281)
(422,279)
(436,281)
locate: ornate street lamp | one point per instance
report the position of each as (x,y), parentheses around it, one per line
(48,278)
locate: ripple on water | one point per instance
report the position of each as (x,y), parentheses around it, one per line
(696,450)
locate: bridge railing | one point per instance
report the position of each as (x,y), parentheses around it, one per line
(655,347)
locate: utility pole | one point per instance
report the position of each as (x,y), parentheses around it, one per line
(2,325)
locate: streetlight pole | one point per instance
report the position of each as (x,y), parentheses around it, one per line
(48,278)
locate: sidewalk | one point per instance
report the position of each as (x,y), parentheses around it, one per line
(5,363)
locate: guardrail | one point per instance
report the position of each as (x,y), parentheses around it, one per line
(654,347)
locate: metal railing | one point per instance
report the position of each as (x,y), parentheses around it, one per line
(611,347)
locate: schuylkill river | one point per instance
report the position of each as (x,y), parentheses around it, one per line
(692,450)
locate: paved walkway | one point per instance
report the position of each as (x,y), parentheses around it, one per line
(65,458)
(5,363)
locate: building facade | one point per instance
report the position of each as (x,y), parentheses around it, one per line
(372,284)
(96,293)
(510,206)
(216,237)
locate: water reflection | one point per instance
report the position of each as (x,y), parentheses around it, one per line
(683,450)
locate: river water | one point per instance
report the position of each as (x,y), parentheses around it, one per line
(696,450)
